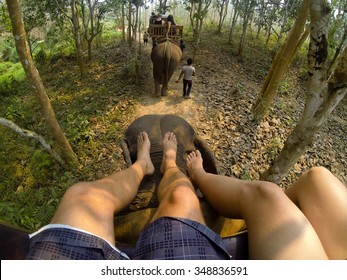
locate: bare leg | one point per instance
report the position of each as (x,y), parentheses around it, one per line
(323,200)
(277,229)
(91,206)
(176,194)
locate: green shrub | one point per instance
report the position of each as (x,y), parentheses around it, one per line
(12,76)
(78,129)
(8,50)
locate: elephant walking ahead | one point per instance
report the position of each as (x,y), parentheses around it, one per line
(166,55)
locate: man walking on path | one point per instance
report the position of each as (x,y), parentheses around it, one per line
(145,38)
(188,71)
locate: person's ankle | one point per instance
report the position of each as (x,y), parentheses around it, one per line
(196,174)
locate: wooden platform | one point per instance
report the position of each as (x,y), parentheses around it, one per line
(157,31)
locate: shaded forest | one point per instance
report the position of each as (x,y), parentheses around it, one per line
(96,73)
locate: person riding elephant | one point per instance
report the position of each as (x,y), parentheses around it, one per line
(133,218)
(166,55)
(170,26)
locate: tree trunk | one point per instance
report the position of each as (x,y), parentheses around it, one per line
(338,49)
(130,43)
(123,22)
(233,24)
(197,14)
(76,29)
(281,63)
(136,46)
(222,10)
(92,28)
(33,135)
(246,18)
(323,95)
(33,75)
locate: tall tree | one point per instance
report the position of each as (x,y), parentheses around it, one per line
(248,9)
(34,16)
(222,8)
(123,20)
(287,8)
(163,6)
(33,75)
(323,94)
(338,31)
(236,5)
(281,63)
(130,43)
(197,12)
(74,18)
(92,25)
(5,23)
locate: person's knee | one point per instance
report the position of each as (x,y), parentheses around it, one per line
(79,190)
(182,195)
(267,191)
(318,172)
(262,196)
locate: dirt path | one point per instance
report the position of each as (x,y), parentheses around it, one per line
(223,92)
(173,103)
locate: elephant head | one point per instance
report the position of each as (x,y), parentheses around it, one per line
(156,126)
(15,241)
(131,220)
(166,55)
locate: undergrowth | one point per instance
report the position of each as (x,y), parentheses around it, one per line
(93,114)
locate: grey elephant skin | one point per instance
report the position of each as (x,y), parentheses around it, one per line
(15,241)
(166,55)
(156,126)
(131,220)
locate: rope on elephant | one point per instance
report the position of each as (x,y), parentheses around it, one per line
(165,39)
(166,44)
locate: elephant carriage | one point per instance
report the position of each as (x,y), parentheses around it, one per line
(157,31)
(166,53)
(129,223)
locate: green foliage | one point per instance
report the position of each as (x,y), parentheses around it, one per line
(12,76)
(78,128)
(41,57)
(274,147)
(281,105)
(33,215)
(130,69)
(58,43)
(246,175)
(109,33)
(5,23)
(26,198)
(240,87)
(284,87)
(211,26)
(8,50)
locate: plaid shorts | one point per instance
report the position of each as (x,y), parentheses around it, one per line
(166,238)
(170,238)
(61,242)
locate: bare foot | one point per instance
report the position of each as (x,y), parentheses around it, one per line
(143,157)
(169,151)
(194,164)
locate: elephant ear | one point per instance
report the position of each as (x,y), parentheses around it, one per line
(209,161)
(126,153)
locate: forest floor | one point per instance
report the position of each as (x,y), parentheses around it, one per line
(224,90)
(95,112)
